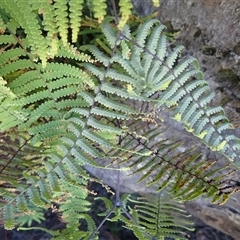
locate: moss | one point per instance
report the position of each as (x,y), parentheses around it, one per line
(227,74)
(197,33)
(208,50)
(236,48)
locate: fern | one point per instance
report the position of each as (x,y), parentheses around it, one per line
(160,217)
(64,108)
(74,196)
(153,219)
(125,9)
(99,8)
(184,88)
(27,18)
(156,3)
(191,179)
(35,214)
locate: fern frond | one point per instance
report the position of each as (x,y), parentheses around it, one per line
(49,23)
(34,194)
(14,66)
(71,52)
(75,8)
(96,138)
(2,25)
(125,65)
(181,85)
(103,127)
(4,39)
(143,32)
(109,32)
(45,191)
(158,218)
(120,77)
(153,46)
(67,115)
(88,148)
(5,91)
(109,114)
(156,3)
(99,8)
(125,10)
(10,115)
(13,150)
(164,166)
(110,104)
(26,17)
(75,207)
(98,54)
(138,48)
(11,54)
(8,216)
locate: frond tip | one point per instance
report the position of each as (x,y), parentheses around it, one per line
(62,115)
(156,3)
(125,10)
(160,217)
(75,8)
(8,217)
(99,8)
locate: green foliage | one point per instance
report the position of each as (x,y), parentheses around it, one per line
(160,217)
(157,218)
(64,107)
(191,178)
(34,215)
(99,8)
(125,9)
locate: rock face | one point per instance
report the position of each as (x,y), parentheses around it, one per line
(210,31)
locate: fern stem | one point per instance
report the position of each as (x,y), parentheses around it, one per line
(197,102)
(103,221)
(38,69)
